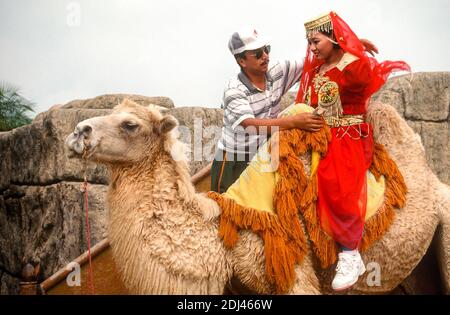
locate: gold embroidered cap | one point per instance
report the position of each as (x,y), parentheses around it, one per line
(320,23)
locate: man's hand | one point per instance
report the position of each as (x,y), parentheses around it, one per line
(369,46)
(307,121)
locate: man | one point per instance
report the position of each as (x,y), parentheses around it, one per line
(251,103)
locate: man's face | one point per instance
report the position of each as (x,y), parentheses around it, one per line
(256,61)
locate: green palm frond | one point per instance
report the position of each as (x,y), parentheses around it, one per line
(13,108)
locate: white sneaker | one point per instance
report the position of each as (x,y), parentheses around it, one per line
(348,269)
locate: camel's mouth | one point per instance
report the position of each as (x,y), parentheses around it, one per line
(78,146)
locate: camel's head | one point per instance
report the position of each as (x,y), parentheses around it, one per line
(130,134)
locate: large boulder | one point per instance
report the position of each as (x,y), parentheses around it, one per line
(37,152)
(423,99)
(108,101)
(200,128)
(45,225)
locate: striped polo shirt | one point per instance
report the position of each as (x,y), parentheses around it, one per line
(242,100)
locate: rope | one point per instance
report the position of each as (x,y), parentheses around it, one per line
(88,229)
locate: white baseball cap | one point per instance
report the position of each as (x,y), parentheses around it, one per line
(246,39)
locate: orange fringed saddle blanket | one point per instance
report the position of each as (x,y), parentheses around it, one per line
(289,194)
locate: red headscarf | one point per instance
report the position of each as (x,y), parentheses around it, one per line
(349,42)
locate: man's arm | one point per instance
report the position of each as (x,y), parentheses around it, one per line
(305,121)
(292,71)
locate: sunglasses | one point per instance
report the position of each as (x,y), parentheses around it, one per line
(258,53)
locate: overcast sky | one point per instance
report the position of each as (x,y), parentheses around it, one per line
(56,50)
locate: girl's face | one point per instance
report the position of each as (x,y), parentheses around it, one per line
(321,46)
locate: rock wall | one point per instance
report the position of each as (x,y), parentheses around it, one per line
(41,205)
(423,99)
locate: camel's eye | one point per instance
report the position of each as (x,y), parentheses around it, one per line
(129,126)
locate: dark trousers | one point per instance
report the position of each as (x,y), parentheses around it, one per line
(226,169)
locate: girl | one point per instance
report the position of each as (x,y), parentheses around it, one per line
(339,79)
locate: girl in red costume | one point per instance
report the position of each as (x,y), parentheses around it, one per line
(339,77)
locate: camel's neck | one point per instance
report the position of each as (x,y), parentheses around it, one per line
(158,179)
(161,170)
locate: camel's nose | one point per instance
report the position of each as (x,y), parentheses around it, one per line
(83,129)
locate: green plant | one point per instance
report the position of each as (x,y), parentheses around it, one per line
(13,108)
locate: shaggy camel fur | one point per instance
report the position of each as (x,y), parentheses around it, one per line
(164,236)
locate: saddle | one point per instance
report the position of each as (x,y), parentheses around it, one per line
(276,197)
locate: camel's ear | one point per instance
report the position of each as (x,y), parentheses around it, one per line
(167,124)
(162,110)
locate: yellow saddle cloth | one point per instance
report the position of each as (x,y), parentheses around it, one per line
(274,189)
(255,188)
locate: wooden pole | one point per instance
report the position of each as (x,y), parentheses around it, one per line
(62,273)
(29,285)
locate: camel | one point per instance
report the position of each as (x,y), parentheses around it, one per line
(164,235)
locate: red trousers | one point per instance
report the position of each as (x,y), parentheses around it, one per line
(342,195)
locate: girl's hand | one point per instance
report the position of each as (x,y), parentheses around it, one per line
(369,46)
